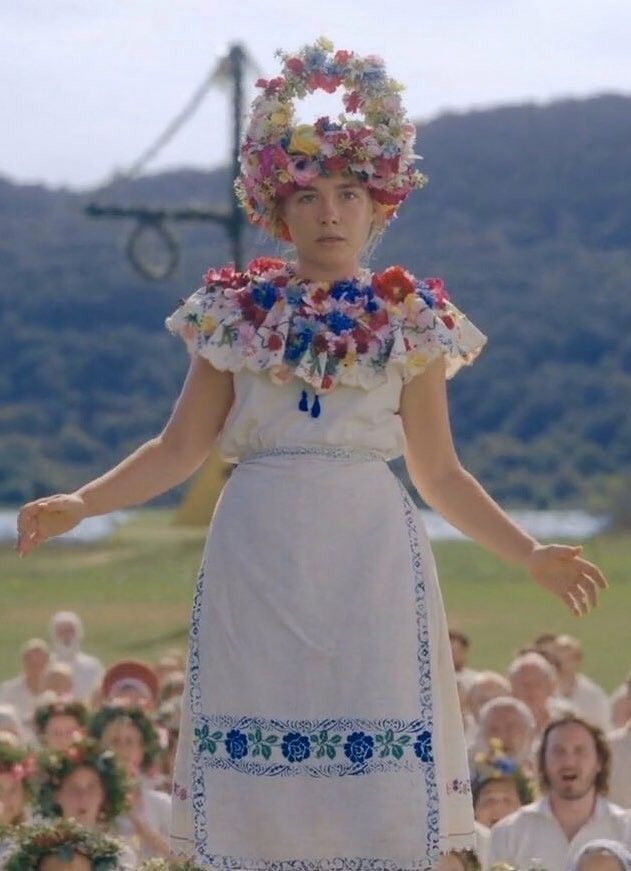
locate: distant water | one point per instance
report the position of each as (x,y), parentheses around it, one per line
(541,524)
(90,529)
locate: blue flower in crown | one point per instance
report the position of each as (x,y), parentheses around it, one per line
(236,744)
(423,747)
(359,746)
(264,295)
(295,747)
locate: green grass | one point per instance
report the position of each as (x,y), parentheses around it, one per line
(134,591)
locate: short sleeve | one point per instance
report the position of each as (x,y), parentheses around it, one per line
(434,325)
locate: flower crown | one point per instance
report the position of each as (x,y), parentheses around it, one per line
(166,865)
(150,739)
(63,839)
(496,765)
(278,157)
(56,766)
(20,764)
(44,713)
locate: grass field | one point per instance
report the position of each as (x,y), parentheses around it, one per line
(134,590)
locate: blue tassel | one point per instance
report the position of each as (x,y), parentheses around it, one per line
(315,408)
(303,405)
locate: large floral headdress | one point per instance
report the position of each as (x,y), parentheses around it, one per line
(63,839)
(279,156)
(495,764)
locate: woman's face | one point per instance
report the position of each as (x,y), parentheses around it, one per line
(600,862)
(12,799)
(54,863)
(497,799)
(125,740)
(60,731)
(330,221)
(81,796)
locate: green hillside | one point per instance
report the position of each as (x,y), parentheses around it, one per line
(527,217)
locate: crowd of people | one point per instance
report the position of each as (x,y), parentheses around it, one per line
(87,753)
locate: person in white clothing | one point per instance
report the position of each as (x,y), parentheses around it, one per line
(620,746)
(131,735)
(512,722)
(589,700)
(533,680)
(23,691)
(573,763)
(66,633)
(620,704)
(602,854)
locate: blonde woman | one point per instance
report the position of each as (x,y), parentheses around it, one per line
(321,726)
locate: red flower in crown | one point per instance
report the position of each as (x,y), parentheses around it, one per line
(295,65)
(393,284)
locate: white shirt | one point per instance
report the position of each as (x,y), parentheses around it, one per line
(16,692)
(87,674)
(533,832)
(620,780)
(591,702)
(482,835)
(156,810)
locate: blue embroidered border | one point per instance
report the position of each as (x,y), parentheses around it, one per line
(233,863)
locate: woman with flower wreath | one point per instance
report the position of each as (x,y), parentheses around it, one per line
(64,845)
(17,767)
(321,728)
(86,784)
(58,723)
(131,735)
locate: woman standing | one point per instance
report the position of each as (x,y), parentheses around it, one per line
(321,727)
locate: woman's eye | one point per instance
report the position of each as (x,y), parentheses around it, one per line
(350,195)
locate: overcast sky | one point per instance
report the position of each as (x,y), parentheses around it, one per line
(87,86)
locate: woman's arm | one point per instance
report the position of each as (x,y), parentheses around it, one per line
(450,490)
(155,467)
(176,453)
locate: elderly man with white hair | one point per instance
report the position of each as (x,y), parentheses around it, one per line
(66,632)
(533,680)
(512,722)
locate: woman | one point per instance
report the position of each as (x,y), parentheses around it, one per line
(17,768)
(319,647)
(59,723)
(131,735)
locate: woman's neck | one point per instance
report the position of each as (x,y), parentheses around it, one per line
(311,271)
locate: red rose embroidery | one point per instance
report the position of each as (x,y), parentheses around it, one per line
(274,342)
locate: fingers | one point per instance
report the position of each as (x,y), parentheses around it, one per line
(572,604)
(594,573)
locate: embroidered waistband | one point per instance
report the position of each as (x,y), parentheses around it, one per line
(330,451)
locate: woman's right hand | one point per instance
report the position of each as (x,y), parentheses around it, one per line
(45,518)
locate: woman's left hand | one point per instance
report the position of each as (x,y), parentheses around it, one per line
(560,569)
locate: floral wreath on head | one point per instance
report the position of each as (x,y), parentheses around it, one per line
(497,765)
(278,157)
(63,839)
(55,766)
(20,764)
(137,716)
(74,709)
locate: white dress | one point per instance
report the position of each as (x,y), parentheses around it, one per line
(322,729)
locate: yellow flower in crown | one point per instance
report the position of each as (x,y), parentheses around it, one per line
(281,116)
(209,324)
(303,141)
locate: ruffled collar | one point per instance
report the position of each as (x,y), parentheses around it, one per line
(266,318)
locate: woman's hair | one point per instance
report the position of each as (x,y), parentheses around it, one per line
(600,743)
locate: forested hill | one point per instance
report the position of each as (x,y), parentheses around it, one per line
(527,217)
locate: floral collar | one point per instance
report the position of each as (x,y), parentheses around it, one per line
(324,333)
